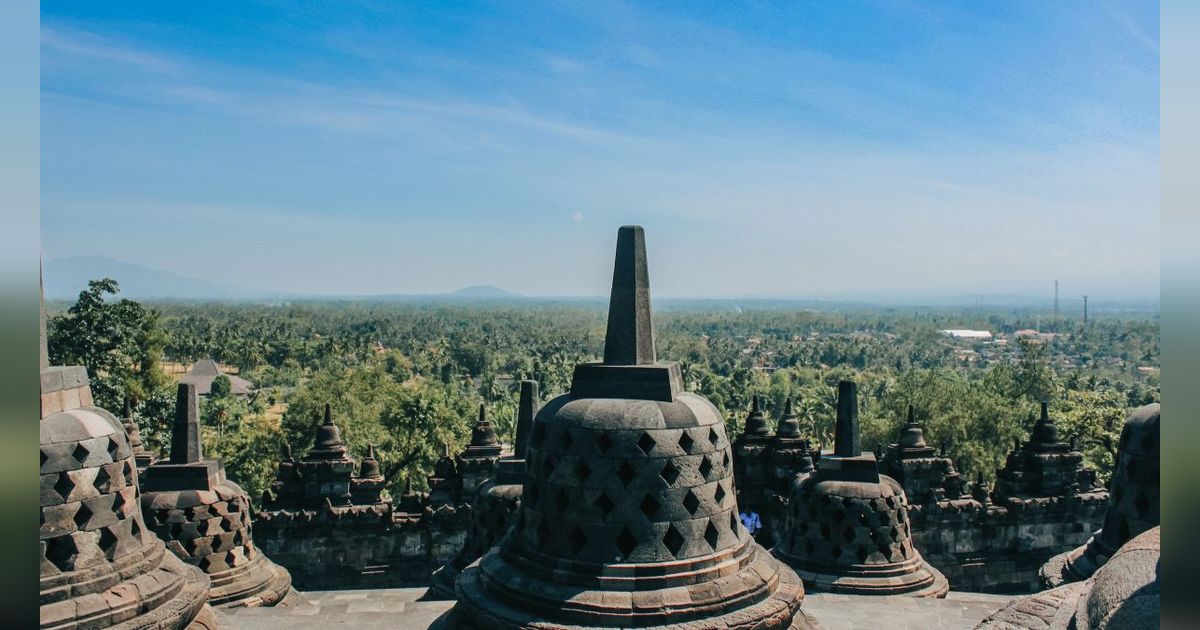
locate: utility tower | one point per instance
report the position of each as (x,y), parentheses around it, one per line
(1085,311)
(1056,305)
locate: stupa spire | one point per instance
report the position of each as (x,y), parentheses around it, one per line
(185,433)
(630,336)
(847,441)
(527,408)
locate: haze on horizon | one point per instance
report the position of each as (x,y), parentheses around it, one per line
(821,150)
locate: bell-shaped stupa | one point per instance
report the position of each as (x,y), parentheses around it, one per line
(496,501)
(205,517)
(101,566)
(1133,501)
(628,516)
(848,527)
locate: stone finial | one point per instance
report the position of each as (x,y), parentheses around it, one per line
(630,336)
(285,450)
(328,415)
(847,442)
(789,425)
(185,433)
(527,408)
(756,422)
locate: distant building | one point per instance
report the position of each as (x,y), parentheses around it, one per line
(205,371)
(963,333)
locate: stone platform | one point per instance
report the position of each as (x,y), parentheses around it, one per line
(402,608)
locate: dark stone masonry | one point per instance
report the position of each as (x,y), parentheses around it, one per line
(628,515)
(205,518)
(101,566)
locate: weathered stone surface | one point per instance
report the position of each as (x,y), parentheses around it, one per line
(1124,594)
(100,566)
(206,519)
(1133,500)
(848,529)
(628,515)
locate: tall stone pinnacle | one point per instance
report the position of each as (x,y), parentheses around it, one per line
(630,336)
(527,408)
(328,415)
(185,433)
(847,442)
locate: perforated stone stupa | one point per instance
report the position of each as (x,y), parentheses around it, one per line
(101,566)
(848,530)
(628,516)
(1133,500)
(205,518)
(496,501)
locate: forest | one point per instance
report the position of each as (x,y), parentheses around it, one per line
(408,376)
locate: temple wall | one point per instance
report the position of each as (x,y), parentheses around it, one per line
(346,550)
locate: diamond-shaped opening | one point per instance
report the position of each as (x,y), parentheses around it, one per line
(626,474)
(646,443)
(190,546)
(705,466)
(673,540)
(649,506)
(895,534)
(719,494)
(669,473)
(691,502)
(686,442)
(626,543)
(230,558)
(205,564)
(886,551)
(108,542)
(82,515)
(44,458)
(135,529)
(60,551)
(583,471)
(604,504)
(711,535)
(548,465)
(64,485)
(891,503)
(561,501)
(862,554)
(102,479)
(80,453)
(175,530)
(603,443)
(565,439)
(725,459)
(712,436)
(836,550)
(113,448)
(577,539)
(903,551)
(118,502)
(733,522)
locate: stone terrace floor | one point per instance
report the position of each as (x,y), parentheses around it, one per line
(400,608)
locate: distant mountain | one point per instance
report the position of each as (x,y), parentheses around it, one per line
(64,278)
(485,291)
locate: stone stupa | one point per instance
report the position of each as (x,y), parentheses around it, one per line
(1133,501)
(205,517)
(101,566)
(848,528)
(628,516)
(496,501)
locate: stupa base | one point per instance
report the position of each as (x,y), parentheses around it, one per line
(260,583)
(765,594)
(441,584)
(918,579)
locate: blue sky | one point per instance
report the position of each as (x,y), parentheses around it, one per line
(814,149)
